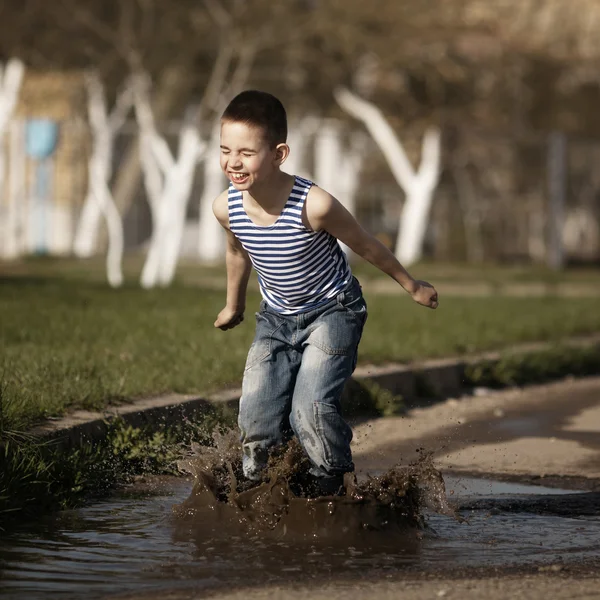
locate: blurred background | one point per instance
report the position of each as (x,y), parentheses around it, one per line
(455,131)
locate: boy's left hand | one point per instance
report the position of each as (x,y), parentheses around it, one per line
(425,294)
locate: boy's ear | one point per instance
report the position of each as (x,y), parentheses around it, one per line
(282,151)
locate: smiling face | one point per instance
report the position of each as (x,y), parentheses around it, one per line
(246,156)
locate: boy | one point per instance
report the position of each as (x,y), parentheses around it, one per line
(312,313)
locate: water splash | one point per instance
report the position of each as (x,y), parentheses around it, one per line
(285,504)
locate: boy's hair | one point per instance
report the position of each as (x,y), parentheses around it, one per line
(259,109)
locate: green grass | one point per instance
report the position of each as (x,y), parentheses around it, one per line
(190,272)
(535,367)
(68,341)
(38,476)
(68,345)
(490,274)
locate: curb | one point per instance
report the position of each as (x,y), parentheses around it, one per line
(419,384)
(428,382)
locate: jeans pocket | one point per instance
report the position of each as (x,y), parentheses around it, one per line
(335,435)
(357,307)
(266,325)
(259,350)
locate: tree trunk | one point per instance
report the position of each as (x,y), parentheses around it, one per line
(99,201)
(413,224)
(168,183)
(211,236)
(178,185)
(16,242)
(114,224)
(11,79)
(104,129)
(418,186)
(169,91)
(299,136)
(337,171)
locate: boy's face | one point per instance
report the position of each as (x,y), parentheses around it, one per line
(246,156)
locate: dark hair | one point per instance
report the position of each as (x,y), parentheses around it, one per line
(261,110)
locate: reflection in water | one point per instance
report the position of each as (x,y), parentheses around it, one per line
(137,542)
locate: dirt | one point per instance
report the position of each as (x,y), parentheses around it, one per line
(548,433)
(547,583)
(532,587)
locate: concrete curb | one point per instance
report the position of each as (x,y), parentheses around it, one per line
(443,378)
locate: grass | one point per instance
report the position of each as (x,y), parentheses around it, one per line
(535,367)
(68,341)
(492,274)
(191,273)
(36,477)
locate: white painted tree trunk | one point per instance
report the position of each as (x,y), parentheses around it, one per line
(16,242)
(418,186)
(168,184)
(300,135)
(211,237)
(103,198)
(104,129)
(11,79)
(153,177)
(337,170)
(178,185)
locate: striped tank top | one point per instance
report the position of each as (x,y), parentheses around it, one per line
(298,269)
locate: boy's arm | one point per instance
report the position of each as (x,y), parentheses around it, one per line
(238,271)
(323,211)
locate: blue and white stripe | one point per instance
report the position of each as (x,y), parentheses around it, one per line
(298,269)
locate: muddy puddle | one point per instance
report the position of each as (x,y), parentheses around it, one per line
(174,534)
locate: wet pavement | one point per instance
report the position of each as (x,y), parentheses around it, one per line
(540,541)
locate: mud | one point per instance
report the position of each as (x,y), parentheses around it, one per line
(286,504)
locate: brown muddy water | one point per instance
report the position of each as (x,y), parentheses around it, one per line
(177,534)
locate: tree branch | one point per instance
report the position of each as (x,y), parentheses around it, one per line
(218,13)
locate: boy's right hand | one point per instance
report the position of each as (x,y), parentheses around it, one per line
(229,318)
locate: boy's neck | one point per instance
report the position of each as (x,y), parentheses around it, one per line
(268,193)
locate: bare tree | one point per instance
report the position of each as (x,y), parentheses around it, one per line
(338,165)
(418,185)
(168,183)
(99,200)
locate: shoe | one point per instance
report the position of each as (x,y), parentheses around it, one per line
(330,486)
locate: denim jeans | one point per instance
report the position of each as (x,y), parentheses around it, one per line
(295,374)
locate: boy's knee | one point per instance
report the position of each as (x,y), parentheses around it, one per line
(302,418)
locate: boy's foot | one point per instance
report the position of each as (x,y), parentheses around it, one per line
(331,486)
(244,484)
(315,487)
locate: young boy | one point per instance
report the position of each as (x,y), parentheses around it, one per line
(312,313)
